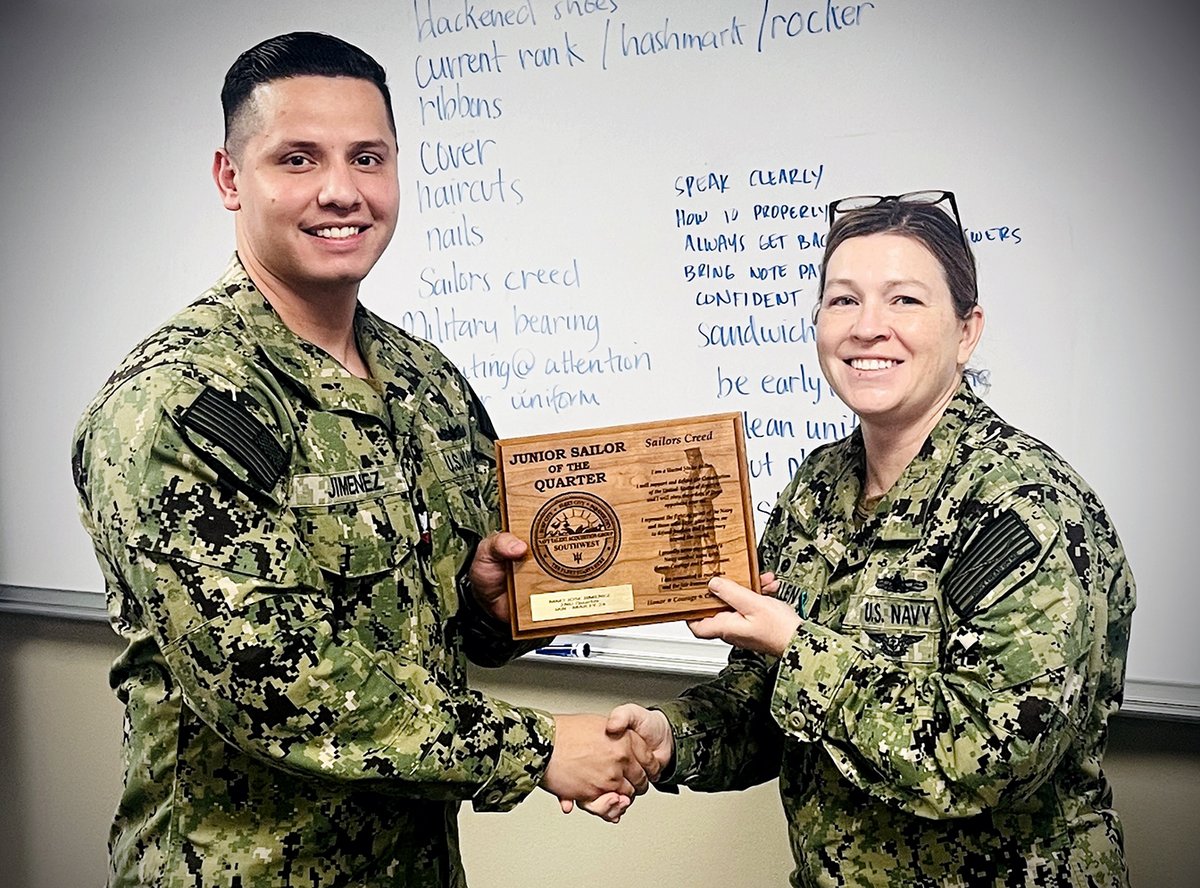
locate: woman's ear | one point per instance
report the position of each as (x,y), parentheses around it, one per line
(972,329)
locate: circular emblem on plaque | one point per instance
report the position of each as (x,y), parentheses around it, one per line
(575,537)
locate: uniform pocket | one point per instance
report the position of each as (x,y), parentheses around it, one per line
(454,492)
(355,523)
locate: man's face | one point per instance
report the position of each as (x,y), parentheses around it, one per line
(315,185)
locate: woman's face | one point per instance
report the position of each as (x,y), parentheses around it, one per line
(887,337)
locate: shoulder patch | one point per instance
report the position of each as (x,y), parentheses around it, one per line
(224,420)
(1002,546)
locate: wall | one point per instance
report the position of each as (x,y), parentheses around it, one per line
(60,735)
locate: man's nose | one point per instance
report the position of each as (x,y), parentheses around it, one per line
(339,189)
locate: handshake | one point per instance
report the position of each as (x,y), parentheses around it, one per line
(602,764)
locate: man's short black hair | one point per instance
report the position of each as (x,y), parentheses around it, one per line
(298,54)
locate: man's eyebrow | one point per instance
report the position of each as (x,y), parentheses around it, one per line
(296,145)
(370,145)
(315,147)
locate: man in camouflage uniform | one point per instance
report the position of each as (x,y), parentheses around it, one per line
(293,505)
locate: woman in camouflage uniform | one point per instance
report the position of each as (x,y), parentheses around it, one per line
(932,680)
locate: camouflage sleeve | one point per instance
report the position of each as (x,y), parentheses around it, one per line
(1019,666)
(248,626)
(486,641)
(724,736)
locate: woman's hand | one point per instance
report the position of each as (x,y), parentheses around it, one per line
(757,622)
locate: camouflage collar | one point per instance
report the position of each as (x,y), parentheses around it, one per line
(835,489)
(310,367)
(904,507)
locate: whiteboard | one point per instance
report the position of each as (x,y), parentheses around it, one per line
(612,213)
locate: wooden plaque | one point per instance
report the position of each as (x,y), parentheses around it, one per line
(626,524)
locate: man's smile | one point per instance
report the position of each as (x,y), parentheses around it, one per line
(336,233)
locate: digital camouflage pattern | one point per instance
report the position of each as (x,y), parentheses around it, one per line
(283,546)
(941,715)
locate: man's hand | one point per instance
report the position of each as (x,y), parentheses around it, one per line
(652,742)
(489,571)
(609,806)
(757,622)
(592,765)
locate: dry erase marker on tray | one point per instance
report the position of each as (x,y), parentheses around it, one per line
(566,650)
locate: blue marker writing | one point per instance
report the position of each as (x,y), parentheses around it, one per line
(566,650)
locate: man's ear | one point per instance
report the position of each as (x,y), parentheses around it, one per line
(224,173)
